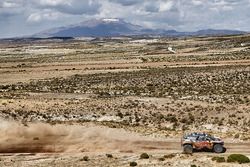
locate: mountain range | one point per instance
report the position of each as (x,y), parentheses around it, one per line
(119,27)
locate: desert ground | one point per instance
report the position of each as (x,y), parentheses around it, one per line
(104,102)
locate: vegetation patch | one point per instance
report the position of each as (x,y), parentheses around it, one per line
(144,156)
(240,158)
(161,159)
(169,156)
(85,158)
(219,159)
(109,155)
(133,163)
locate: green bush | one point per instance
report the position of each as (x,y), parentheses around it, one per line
(133,163)
(219,159)
(144,156)
(238,158)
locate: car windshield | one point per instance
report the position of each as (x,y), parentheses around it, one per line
(208,136)
(211,137)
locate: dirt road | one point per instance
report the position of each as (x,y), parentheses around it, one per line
(45,138)
(42,145)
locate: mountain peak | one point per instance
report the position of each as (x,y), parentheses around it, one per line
(118,27)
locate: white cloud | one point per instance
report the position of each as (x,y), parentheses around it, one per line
(10,8)
(55,2)
(197,2)
(46,15)
(9,5)
(165,6)
(35,17)
(76,7)
(182,15)
(127,2)
(227,8)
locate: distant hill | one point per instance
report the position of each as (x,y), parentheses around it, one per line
(119,27)
(217,32)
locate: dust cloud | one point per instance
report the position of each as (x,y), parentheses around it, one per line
(16,137)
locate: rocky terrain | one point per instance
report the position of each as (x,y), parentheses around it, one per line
(76,101)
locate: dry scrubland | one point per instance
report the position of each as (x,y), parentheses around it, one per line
(63,100)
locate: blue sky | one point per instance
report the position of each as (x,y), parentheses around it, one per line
(25,17)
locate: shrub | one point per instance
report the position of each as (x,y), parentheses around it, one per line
(119,114)
(193,166)
(144,156)
(236,136)
(85,158)
(219,159)
(36,138)
(161,159)
(133,163)
(169,156)
(109,155)
(238,158)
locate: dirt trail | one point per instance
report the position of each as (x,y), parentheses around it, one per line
(45,138)
(38,138)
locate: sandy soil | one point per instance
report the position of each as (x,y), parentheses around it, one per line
(39,144)
(103,103)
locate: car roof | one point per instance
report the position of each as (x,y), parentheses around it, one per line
(196,134)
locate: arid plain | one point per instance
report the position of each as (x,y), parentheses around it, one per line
(103,102)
